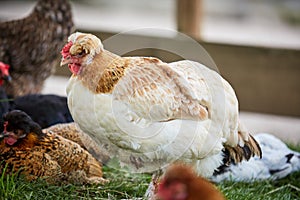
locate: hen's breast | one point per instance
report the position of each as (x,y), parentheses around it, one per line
(140,143)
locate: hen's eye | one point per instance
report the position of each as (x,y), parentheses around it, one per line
(80,53)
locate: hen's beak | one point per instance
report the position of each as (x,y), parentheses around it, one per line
(65,61)
(3,135)
(7,134)
(7,78)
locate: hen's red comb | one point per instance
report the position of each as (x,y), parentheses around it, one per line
(4,68)
(65,50)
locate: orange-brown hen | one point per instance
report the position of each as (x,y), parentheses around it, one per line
(180,182)
(37,154)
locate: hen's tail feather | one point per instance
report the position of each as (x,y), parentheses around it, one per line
(235,155)
(94,168)
(238,153)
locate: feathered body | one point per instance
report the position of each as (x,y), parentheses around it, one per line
(45,154)
(72,132)
(31,45)
(45,109)
(150,113)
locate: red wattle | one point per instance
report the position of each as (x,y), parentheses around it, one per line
(74,68)
(10,140)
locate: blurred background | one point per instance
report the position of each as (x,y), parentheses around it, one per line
(255,45)
(274,23)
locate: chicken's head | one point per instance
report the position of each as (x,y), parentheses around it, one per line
(4,73)
(80,51)
(174,184)
(19,128)
(180,182)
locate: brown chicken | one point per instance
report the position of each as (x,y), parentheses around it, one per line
(47,155)
(31,45)
(180,182)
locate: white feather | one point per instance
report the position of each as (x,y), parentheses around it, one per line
(133,131)
(277,162)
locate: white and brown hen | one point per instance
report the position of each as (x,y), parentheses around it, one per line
(150,113)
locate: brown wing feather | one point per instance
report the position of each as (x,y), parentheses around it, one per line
(73,159)
(155,91)
(71,131)
(33,164)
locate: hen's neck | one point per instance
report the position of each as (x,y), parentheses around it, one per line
(103,73)
(29,142)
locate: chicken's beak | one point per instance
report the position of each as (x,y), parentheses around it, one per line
(3,135)
(65,61)
(7,134)
(7,78)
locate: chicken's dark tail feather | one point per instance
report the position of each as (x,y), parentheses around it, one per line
(235,155)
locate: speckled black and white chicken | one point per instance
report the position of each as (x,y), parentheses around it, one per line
(31,45)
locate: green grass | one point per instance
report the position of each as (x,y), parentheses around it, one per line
(129,186)
(287,188)
(126,186)
(122,185)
